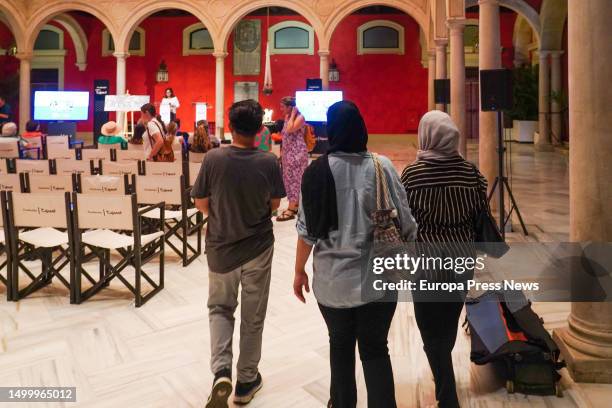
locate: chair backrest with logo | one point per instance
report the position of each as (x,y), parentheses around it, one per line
(67,167)
(163,168)
(196,157)
(38,210)
(110,168)
(154,189)
(9,149)
(111,185)
(194,170)
(40,167)
(105,211)
(48,184)
(129,155)
(10,182)
(95,154)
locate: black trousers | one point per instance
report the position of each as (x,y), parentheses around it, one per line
(437,322)
(368,326)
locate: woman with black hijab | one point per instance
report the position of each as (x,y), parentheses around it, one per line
(337,200)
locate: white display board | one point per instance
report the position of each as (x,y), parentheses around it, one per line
(164,112)
(125,103)
(200,111)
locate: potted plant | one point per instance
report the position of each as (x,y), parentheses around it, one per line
(524,112)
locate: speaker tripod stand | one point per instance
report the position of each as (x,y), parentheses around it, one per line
(501,183)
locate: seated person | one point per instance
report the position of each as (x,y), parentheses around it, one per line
(32,129)
(171,131)
(139,130)
(200,141)
(9,132)
(111,134)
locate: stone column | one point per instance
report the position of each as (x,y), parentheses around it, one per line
(120,85)
(457,79)
(121,62)
(25,67)
(556,87)
(586,344)
(431,75)
(220,94)
(543,142)
(489,57)
(324,68)
(441,65)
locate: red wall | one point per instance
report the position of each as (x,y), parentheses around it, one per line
(8,65)
(390,90)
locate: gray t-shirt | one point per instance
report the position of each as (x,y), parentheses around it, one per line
(239,184)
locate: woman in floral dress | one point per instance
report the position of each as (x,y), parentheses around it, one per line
(294,157)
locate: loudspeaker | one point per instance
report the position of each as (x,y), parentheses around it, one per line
(495,90)
(314,84)
(100,117)
(442,91)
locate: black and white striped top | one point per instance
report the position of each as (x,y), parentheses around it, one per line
(445,195)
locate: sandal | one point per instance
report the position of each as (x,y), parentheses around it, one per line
(287,215)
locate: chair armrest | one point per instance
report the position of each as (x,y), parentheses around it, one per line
(161,205)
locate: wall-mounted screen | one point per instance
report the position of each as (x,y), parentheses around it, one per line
(314,104)
(61,105)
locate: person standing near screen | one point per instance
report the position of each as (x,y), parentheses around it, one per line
(5,111)
(294,156)
(172,102)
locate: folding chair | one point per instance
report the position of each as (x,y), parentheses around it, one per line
(97,218)
(52,184)
(60,153)
(95,154)
(98,184)
(9,149)
(110,168)
(35,149)
(6,278)
(41,167)
(181,222)
(4,166)
(150,168)
(122,156)
(193,170)
(68,167)
(39,225)
(10,182)
(66,140)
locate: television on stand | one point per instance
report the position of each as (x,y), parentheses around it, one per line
(313,105)
(61,109)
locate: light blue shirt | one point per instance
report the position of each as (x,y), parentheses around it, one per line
(339,261)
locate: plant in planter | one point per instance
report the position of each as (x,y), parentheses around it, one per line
(524,111)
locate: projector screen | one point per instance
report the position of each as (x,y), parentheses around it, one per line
(314,104)
(60,105)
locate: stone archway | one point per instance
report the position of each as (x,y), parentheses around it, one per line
(521,8)
(349,7)
(49,12)
(10,15)
(230,20)
(146,8)
(553,14)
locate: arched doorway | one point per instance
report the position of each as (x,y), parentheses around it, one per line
(378,53)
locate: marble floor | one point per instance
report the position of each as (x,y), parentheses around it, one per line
(157,355)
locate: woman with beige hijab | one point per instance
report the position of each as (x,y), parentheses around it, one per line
(445,194)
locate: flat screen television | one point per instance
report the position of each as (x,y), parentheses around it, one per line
(61,105)
(314,104)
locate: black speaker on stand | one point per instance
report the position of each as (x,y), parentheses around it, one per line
(442,92)
(496,96)
(100,116)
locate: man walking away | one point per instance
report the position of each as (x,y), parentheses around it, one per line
(238,187)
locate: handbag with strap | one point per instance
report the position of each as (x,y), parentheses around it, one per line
(384,217)
(487,238)
(165,153)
